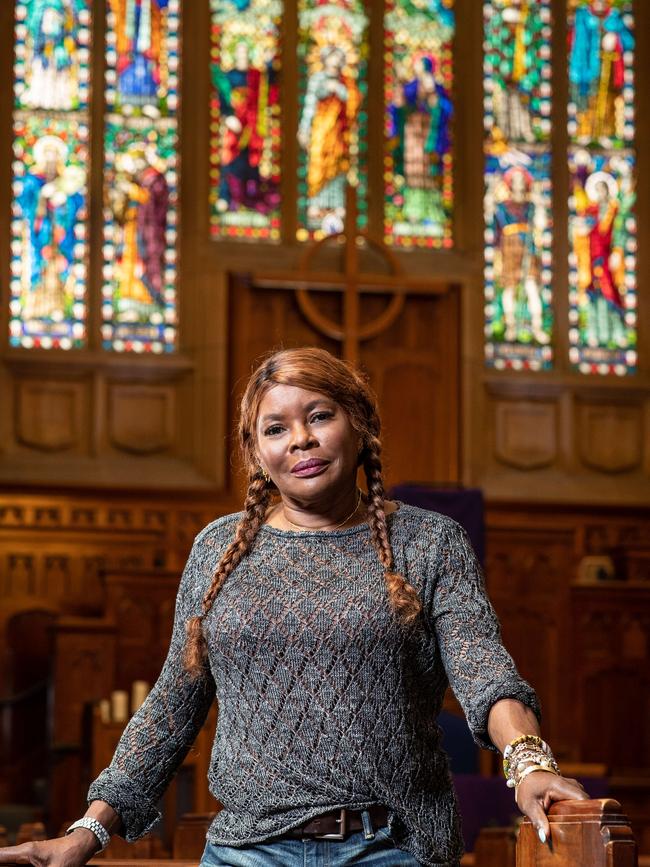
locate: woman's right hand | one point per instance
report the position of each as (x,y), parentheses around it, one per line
(74,850)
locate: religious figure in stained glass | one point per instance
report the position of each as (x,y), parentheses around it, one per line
(51,199)
(328,131)
(138,204)
(517,206)
(600,45)
(246,108)
(54,54)
(603,245)
(517,53)
(329,110)
(138,199)
(518,258)
(48,230)
(140,29)
(419,111)
(518,220)
(140,176)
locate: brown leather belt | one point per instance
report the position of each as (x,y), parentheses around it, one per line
(337,824)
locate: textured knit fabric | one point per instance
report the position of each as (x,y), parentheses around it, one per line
(325,700)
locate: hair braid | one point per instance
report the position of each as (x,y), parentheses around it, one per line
(403,596)
(255,506)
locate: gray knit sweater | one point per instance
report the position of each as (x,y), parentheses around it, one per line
(325,700)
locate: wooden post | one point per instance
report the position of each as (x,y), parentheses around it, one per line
(595,833)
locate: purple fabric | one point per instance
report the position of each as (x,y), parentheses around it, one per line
(463,505)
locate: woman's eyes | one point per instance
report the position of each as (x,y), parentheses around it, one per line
(323,414)
(317,416)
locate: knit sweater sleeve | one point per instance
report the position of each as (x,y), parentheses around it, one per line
(479,668)
(159,735)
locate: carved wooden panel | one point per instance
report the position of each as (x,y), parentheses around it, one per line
(611,658)
(610,437)
(142,603)
(141,418)
(84,672)
(525,433)
(561,441)
(51,416)
(528,573)
(413,366)
(591,832)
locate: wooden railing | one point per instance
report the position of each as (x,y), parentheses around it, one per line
(595,833)
(592,833)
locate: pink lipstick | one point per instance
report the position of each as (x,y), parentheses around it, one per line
(312,467)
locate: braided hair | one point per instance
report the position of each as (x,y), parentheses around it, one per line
(313,369)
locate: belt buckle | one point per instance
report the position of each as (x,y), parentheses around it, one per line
(343,823)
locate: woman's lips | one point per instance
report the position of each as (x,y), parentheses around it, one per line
(309,468)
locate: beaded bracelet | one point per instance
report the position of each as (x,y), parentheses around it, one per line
(527,751)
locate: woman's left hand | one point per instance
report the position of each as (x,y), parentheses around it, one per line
(538,791)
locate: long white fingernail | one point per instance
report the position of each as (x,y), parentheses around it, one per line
(542,835)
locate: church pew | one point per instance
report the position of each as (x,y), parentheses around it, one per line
(594,832)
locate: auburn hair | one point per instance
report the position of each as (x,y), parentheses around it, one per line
(313,369)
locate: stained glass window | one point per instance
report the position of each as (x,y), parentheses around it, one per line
(332,126)
(602,226)
(418,161)
(245,119)
(517,203)
(50,148)
(140,176)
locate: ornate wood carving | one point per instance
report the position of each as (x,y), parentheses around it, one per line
(595,832)
(50,415)
(525,433)
(610,642)
(561,441)
(141,418)
(610,437)
(412,366)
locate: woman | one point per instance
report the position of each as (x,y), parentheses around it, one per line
(327,624)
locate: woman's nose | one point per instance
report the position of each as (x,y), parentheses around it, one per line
(301,437)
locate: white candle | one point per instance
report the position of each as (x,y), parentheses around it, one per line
(139,691)
(120,705)
(105,710)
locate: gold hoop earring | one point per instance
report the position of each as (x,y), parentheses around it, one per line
(265,475)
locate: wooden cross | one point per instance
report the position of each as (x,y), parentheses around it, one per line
(352,282)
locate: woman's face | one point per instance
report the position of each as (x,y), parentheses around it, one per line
(306,443)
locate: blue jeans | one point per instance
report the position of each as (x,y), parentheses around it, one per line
(375,848)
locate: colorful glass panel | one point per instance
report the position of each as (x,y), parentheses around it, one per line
(518,260)
(140,233)
(50,163)
(601,73)
(517,203)
(602,263)
(333,60)
(142,58)
(418,162)
(51,71)
(245,136)
(140,177)
(602,225)
(49,212)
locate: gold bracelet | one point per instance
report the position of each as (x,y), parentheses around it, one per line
(526,748)
(531,769)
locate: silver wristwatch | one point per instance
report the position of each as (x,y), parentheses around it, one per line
(96,827)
